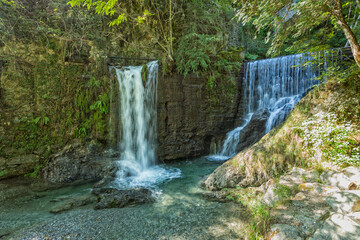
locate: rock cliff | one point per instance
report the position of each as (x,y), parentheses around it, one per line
(188,121)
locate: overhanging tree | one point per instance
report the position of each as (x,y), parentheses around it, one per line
(295,18)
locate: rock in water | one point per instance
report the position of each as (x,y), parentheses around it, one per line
(113,198)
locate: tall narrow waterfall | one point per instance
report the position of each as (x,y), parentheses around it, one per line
(275,84)
(138,115)
(137,98)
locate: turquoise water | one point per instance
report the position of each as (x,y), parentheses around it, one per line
(180,212)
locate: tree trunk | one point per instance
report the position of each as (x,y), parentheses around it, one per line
(350,36)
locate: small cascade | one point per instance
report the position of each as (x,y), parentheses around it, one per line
(275,84)
(138,128)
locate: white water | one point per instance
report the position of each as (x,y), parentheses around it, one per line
(276,84)
(138,121)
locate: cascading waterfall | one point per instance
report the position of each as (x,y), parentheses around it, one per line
(275,84)
(138,121)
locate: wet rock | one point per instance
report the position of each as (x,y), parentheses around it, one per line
(7,193)
(103,182)
(187,121)
(337,227)
(2,164)
(344,202)
(337,179)
(284,232)
(4,232)
(255,130)
(18,166)
(66,204)
(113,198)
(78,162)
(217,196)
(111,153)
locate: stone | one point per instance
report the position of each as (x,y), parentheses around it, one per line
(353,173)
(337,227)
(297,172)
(284,232)
(72,202)
(187,120)
(344,202)
(270,197)
(113,198)
(30,159)
(103,182)
(311,176)
(290,180)
(217,196)
(2,164)
(255,130)
(306,187)
(299,196)
(78,162)
(19,165)
(336,179)
(5,232)
(354,216)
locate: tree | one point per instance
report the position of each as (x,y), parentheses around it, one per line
(118,10)
(296,18)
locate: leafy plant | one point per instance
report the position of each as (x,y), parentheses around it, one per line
(35,173)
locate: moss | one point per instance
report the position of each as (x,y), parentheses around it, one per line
(4,172)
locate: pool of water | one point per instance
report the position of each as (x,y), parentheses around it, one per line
(180,212)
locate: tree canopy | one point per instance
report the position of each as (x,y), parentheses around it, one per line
(295,20)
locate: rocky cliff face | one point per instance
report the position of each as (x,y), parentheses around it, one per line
(188,121)
(309,137)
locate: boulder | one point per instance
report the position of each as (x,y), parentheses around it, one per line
(270,197)
(71,203)
(354,216)
(254,131)
(2,164)
(344,202)
(113,198)
(337,227)
(337,179)
(78,162)
(284,232)
(306,187)
(353,173)
(18,166)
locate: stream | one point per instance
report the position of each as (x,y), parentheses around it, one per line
(180,212)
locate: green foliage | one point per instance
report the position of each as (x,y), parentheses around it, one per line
(283,191)
(32,133)
(260,212)
(299,26)
(3,173)
(35,173)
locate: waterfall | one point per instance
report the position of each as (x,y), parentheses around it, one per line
(137,103)
(275,84)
